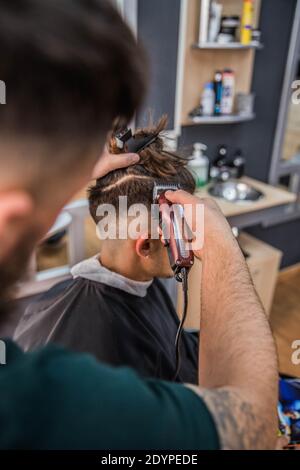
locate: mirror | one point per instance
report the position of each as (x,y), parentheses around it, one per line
(291,139)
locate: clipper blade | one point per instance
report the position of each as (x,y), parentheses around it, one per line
(160,188)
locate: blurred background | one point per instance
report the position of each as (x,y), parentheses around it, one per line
(226,74)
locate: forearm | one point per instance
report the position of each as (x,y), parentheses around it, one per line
(236,341)
(236,347)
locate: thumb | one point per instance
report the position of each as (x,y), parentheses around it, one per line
(179,197)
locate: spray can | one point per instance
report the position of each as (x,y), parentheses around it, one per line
(218,92)
(246,23)
(227,100)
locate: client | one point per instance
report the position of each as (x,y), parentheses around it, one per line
(115,307)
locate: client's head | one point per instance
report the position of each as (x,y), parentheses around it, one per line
(143,256)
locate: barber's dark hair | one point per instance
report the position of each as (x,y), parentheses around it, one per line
(70,68)
(157,164)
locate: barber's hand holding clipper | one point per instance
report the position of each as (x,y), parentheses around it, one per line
(217,230)
(238,375)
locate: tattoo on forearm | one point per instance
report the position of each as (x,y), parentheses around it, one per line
(239,425)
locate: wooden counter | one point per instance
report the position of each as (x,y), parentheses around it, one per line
(273,196)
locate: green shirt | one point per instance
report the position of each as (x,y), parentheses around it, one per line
(54,399)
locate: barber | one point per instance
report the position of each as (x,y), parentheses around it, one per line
(70,68)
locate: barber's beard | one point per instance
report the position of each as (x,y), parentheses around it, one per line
(14,268)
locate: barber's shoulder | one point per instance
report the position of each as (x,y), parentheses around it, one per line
(66,375)
(66,368)
(95,404)
(68,397)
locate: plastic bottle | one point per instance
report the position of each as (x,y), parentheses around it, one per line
(227,99)
(199,165)
(208,99)
(220,159)
(247,20)
(239,163)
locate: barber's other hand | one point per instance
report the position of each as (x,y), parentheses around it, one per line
(218,237)
(109,162)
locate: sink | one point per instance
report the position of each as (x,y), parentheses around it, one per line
(235,191)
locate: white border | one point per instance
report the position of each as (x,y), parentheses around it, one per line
(180,66)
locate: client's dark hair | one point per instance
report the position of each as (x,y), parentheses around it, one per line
(70,68)
(156,164)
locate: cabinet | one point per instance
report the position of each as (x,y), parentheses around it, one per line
(197,62)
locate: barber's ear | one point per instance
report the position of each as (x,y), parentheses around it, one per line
(15,208)
(143,247)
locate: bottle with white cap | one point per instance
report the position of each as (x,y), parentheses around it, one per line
(199,164)
(208,99)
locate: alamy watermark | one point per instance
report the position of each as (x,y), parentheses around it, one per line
(296,93)
(2,92)
(2,353)
(296,354)
(183,222)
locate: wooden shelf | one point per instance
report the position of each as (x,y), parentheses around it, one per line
(230,46)
(217,120)
(201,60)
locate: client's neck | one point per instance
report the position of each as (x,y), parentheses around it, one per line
(124,262)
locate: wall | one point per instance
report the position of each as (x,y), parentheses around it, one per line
(255,138)
(158,24)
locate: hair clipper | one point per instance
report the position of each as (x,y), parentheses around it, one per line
(172,224)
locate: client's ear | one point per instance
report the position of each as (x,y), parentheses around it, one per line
(16,207)
(143,247)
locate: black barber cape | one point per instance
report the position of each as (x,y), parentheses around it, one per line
(115,326)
